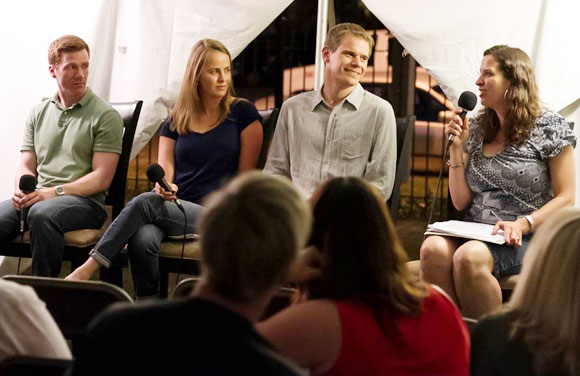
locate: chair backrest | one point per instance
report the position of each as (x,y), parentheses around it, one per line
(280,300)
(21,365)
(129,112)
(73,304)
(269,119)
(184,288)
(405,131)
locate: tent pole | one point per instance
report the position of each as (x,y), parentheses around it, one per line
(321,29)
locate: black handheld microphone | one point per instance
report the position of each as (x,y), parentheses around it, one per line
(27,185)
(467,101)
(156,174)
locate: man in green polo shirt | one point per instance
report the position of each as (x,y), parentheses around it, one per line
(71,145)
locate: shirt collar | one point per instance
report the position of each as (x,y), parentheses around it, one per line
(83,102)
(354,98)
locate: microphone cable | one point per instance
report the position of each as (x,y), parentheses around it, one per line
(180,263)
(156,174)
(438,182)
(467,101)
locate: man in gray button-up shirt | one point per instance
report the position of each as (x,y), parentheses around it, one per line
(340,130)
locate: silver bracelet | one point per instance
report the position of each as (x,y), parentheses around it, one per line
(531,222)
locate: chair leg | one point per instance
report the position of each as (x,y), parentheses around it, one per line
(113,275)
(163,282)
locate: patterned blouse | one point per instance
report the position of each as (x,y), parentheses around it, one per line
(516,181)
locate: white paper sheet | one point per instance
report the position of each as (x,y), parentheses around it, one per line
(468,230)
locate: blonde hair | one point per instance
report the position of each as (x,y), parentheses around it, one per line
(546,301)
(66,43)
(250,233)
(337,32)
(522,98)
(189,101)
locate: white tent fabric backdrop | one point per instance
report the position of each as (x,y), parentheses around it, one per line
(144,54)
(448,37)
(140,48)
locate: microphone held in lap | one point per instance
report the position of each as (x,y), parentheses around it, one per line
(27,185)
(156,174)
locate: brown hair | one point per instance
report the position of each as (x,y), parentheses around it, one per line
(251,231)
(189,102)
(66,43)
(546,300)
(522,99)
(362,256)
(337,32)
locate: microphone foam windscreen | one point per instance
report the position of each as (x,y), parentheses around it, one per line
(27,183)
(467,100)
(155,173)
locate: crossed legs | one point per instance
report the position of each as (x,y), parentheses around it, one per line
(464,271)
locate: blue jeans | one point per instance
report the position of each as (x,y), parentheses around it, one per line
(142,225)
(48,221)
(507,259)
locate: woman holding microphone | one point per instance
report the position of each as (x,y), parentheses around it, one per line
(511,166)
(209,137)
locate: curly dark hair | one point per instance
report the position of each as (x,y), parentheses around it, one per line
(522,99)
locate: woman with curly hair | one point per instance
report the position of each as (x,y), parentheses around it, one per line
(512,166)
(539,333)
(365,315)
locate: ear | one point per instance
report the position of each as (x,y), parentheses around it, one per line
(325,54)
(51,69)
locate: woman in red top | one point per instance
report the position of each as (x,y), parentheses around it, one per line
(367,317)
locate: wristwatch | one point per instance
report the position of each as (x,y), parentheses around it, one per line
(59,190)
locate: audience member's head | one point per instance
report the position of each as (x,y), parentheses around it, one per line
(337,32)
(546,301)
(361,254)
(250,233)
(66,43)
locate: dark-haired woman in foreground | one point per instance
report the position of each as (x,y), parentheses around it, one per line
(513,166)
(369,317)
(209,137)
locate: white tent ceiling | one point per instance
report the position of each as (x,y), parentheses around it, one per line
(139,48)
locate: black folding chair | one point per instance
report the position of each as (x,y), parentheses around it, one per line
(73,304)
(79,243)
(21,365)
(405,131)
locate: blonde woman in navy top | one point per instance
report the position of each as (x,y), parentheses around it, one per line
(209,137)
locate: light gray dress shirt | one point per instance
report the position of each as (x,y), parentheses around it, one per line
(314,143)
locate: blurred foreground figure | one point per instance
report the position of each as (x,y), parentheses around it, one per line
(251,231)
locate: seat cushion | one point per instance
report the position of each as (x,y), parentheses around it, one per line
(172,248)
(78,238)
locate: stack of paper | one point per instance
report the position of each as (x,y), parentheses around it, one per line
(468,230)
